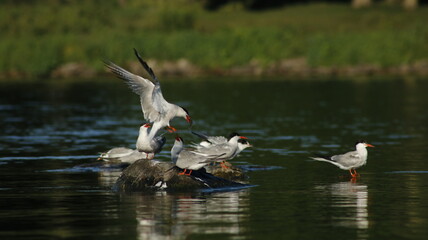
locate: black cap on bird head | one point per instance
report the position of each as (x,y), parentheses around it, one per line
(233,135)
(178,138)
(365,143)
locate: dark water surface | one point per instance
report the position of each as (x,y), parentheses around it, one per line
(49,128)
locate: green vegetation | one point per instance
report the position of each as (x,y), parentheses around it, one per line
(40,36)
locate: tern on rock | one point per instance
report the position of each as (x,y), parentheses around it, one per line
(148,145)
(155,108)
(350,160)
(188,160)
(219,145)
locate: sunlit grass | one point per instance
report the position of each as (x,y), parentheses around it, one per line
(38,38)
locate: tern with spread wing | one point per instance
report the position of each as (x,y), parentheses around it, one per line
(350,160)
(155,108)
(150,146)
(188,160)
(208,141)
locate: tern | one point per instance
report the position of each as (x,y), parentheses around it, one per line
(148,145)
(122,154)
(219,145)
(212,140)
(188,160)
(350,160)
(155,108)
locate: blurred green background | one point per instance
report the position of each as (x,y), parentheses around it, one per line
(43,39)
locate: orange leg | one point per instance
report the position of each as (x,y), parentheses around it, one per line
(223,165)
(353,173)
(184,172)
(170,129)
(356,174)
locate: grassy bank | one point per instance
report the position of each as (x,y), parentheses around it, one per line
(39,38)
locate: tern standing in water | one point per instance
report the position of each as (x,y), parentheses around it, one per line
(350,160)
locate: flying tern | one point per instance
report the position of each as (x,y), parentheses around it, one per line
(155,108)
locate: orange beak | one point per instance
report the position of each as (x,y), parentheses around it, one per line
(243,137)
(369,145)
(189,119)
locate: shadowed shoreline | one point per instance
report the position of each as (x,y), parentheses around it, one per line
(295,68)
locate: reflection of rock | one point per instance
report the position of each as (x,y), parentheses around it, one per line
(180,215)
(147,175)
(108,178)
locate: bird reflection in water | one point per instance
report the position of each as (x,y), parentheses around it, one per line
(348,205)
(175,216)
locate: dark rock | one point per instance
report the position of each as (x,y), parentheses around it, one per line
(148,175)
(228,172)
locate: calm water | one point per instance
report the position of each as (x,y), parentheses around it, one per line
(46,129)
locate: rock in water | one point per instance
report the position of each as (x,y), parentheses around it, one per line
(228,172)
(148,175)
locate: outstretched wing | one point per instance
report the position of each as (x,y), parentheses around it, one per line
(201,135)
(209,141)
(159,102)
(139,85)
(146,66)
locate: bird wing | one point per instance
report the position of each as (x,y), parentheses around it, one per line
(157,143)
(348,159)
(214,150)
(188,159)
(214,158)
(217,139)
(211,139)
(201,135)
(139,85)
(158,101)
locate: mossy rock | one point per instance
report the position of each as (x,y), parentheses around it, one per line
(227,171)
(148,175)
